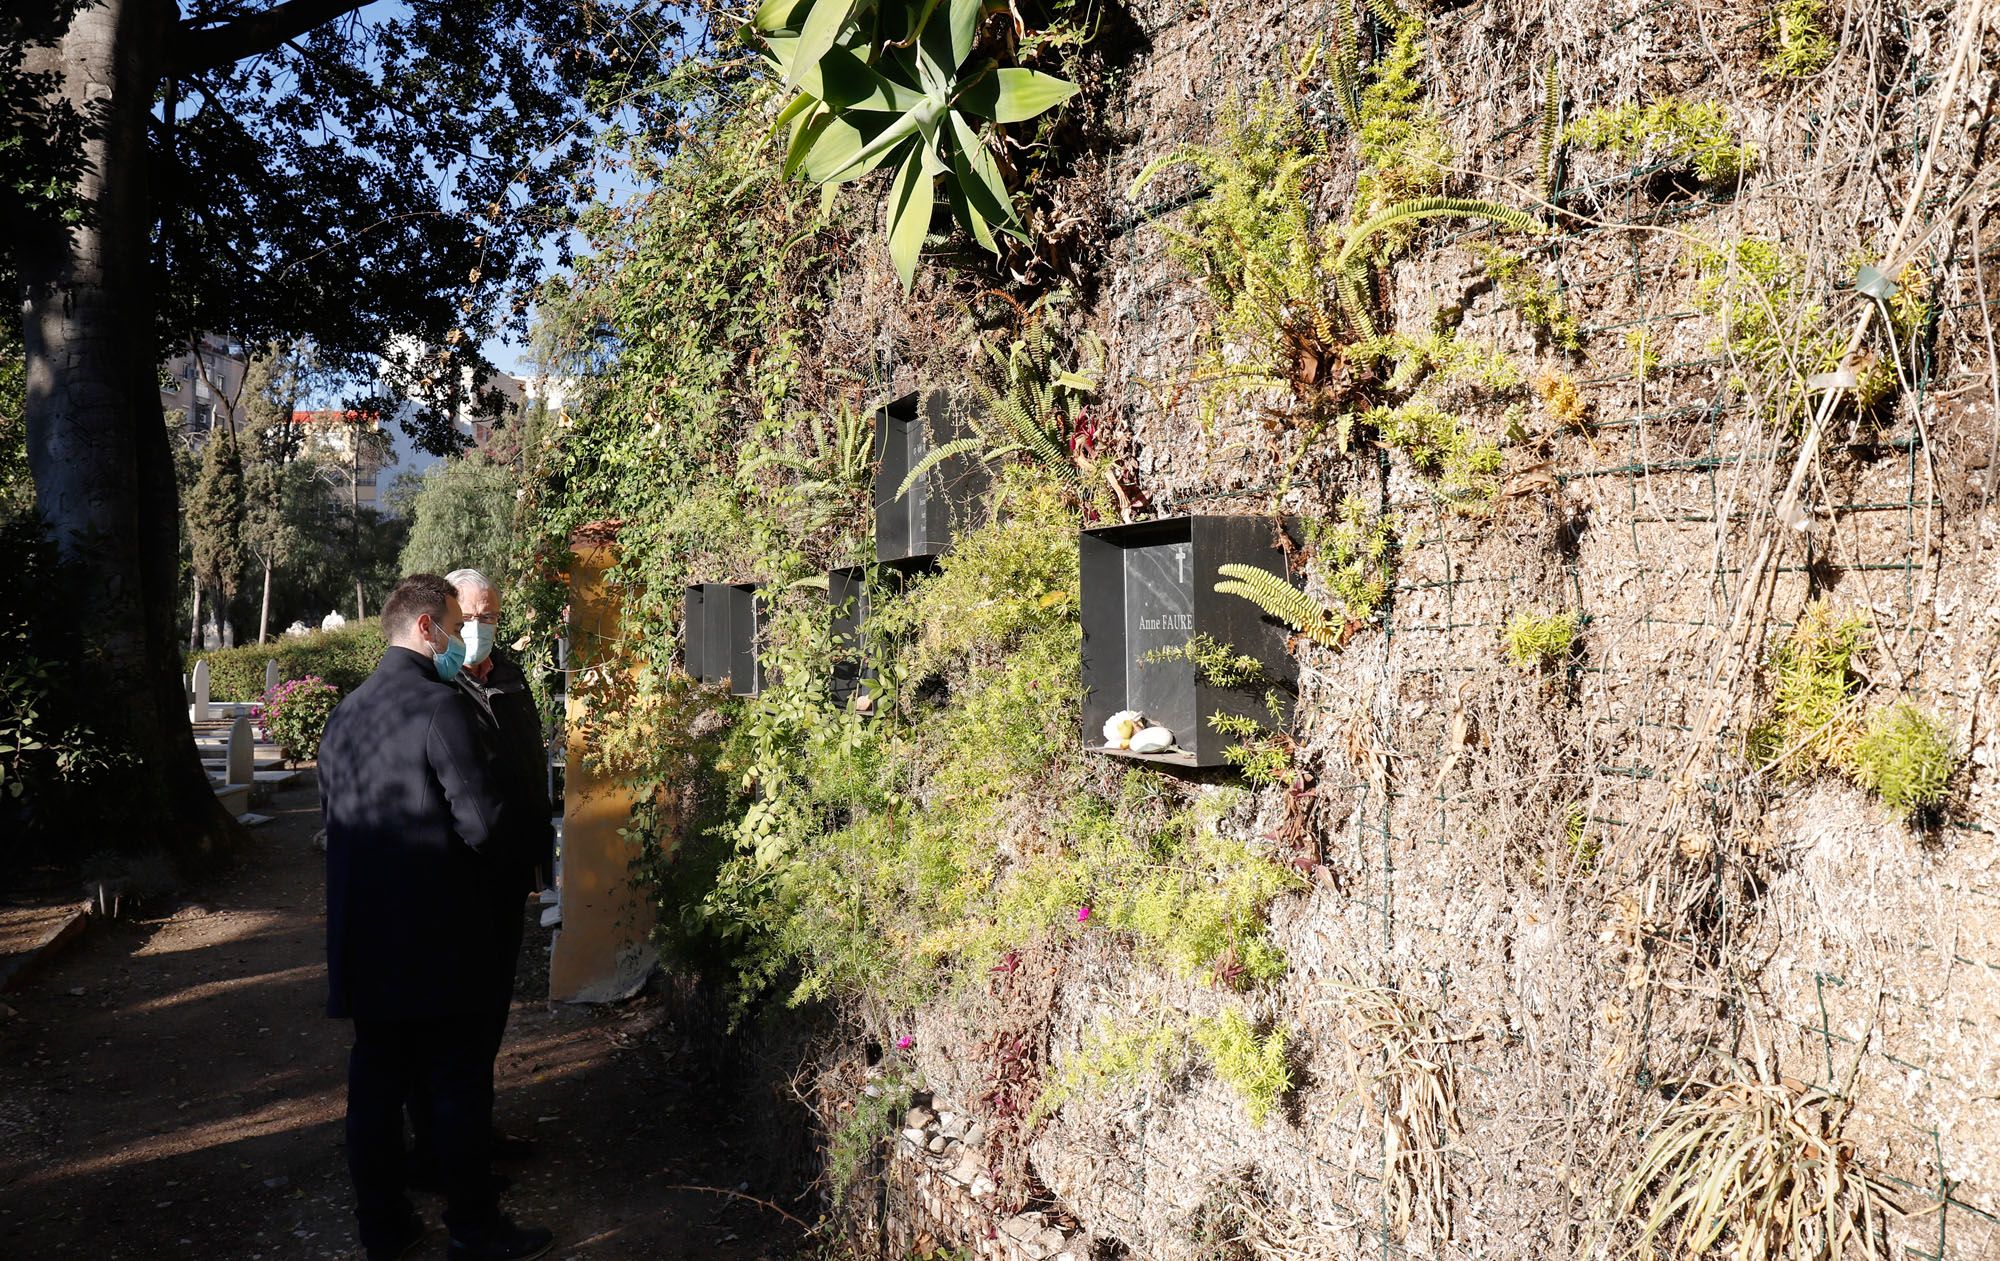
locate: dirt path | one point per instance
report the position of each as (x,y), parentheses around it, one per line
(170,1088)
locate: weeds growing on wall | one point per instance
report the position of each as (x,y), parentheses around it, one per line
(1670,130)
(1540,641)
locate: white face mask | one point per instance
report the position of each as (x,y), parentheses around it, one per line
(478,642)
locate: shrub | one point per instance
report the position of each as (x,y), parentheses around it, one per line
(1905,756)
(1540,639)
(1256,1067)
(341,657)
(1814,683)
(1696,134)
(293,715)
(1801,46)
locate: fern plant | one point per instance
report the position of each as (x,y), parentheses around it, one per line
(1282,601)
(1548,135)
(1029,407)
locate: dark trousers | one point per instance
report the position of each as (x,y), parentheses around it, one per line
(445,1063)
(493,1024)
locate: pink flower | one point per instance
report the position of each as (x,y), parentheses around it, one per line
(1082,914)
(905,1042)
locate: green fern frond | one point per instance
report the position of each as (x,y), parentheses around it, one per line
(936,456)
(1391,17)
(1548,143)
(1281,600)
(1432,207)
(1345,64)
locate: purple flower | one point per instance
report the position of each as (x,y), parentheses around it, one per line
(905,1042)
(1082,914)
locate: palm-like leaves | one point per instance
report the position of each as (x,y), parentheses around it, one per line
(885,83)
(1281,600)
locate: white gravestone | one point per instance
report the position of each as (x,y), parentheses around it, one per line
(242,753)
(332,621)
(201,690)
(270,674)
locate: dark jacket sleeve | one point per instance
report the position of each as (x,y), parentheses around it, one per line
(478,807)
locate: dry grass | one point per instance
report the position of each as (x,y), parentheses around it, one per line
(1757,1167)
(1399,1059)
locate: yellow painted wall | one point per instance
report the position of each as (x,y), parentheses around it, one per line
(601,951)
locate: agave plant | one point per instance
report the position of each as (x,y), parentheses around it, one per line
(892,83)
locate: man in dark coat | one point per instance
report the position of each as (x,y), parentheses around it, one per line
(512,730)
(413,821)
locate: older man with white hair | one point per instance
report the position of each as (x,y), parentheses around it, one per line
(511,731)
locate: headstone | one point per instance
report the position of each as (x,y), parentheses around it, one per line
(296,629)
(201,690)
(332,621)
(242,753)
(270,674)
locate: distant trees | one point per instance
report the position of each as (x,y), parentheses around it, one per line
(461,516)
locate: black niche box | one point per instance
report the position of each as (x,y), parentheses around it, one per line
(724,627)
(919,525)
(847,597)
(1150,586)
(698,639)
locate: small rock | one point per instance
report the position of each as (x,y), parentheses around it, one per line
(5,1011)
(975,1134)
(1051,1240)
(76,991)
(918,1118)
(278,1183)
(982,1187)
(936,1145)
(1024,1226)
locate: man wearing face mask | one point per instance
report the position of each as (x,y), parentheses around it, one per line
(416,827)
(511,729)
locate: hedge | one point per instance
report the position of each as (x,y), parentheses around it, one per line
(342,657)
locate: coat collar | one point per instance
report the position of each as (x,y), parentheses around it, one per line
(406,663)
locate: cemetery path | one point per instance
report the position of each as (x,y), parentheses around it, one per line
(170,1088)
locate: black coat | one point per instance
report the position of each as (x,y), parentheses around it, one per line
(414,820)
(513,726)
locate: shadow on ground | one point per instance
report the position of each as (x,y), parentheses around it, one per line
(171,1088)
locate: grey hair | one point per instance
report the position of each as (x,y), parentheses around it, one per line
(469,578)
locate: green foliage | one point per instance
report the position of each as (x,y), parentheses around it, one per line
(1028,406)
(461,517)
(895,84)
(1401,140)
(1445,448)
(1670,131)
(1354,556)
(1447,359)
(343,658)
(873,1114)
(1905,756)
(1218,664)
(1801,46)
(1778,336)
(1114,1054)
(57,756)
(1256,1067)
(1281,601)
(1548,130)
(293,715)
(1535,296)
(1645,359)
(1540,640)
(1262,756)
(1813,719)
(215,515)
(17,487)
(1252,244)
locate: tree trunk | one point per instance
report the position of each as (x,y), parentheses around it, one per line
(264,614)
(103,470)
(194,619)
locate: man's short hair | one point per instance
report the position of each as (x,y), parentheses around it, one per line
(413,597)
(469,578)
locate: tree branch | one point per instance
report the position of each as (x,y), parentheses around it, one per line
(212,47)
